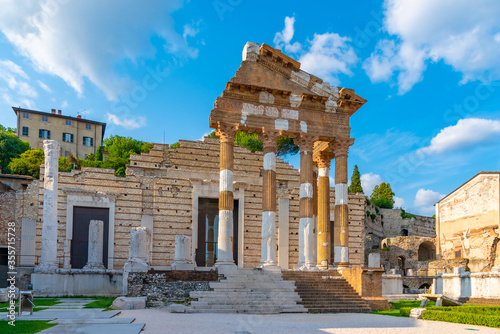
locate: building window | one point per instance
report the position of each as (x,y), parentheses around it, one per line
(88,126)
(87,141)
(67,137)
(26,131)
(44,134)
(45,118)
(26,115)
(68,122)
(66,153)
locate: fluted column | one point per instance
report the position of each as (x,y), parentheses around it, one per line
(268,243)
(324,234)
(341,223)
(306,204)
(226,133)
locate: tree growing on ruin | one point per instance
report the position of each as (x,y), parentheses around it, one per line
(383,196)
(285,145)
(355,186)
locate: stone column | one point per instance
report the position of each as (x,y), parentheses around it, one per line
(324,235)
(341,223)
(95,248)
(306,204)
(138,249)
(268,243)
(226,133)
(48,260)
(138,254)
(183,259)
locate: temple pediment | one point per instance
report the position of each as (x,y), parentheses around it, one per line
(269,90)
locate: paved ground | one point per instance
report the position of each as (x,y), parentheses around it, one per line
(160,321)
(71,317)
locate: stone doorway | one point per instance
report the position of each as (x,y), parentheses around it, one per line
(80,238)
(208,229)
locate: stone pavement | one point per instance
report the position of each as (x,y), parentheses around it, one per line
(161,321)
(71,317)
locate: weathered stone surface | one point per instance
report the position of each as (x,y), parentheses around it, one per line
(159,290)
(468,222)
(95,247)
(129,303)
(48,260)
(416,313)
(183,259)
(374,260)
(177,308)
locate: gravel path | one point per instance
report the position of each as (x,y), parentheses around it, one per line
(161,321)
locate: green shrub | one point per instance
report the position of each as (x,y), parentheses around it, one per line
(373,216)
(405,215)
(462,317)
(474,309)
(377,210)
(405,311)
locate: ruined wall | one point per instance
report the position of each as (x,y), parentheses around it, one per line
(403,253)
(15,205)
(161,185)
(468,222)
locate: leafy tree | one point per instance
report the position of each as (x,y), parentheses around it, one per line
(65,165)
(175,145)
(123,147)
(248,140)
(355,186)
(98,154)
(285,145)
(383,196)
(10,147)
(28,163)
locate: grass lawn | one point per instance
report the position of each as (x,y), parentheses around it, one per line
(101,302)
(399,304)
(24,326)
(39,304)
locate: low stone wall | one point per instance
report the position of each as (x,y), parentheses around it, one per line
(463,284)
(163,288)
(368,284)
(392,284)
(78,283)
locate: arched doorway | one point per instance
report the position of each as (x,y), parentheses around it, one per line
(404,232)
(426,251)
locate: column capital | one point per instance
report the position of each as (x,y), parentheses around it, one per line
(324,158)
(341,145)
(269,139)
(306,142)
(226,132)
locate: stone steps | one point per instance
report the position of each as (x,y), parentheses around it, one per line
(248,291)
(326,292)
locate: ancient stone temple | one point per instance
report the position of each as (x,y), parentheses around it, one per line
(271,96)
(211,205)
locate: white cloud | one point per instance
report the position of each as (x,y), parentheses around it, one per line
(84,40)
(332,181)
(326,55)
(399,203)
(130,123)
(425,200)
(463,36)
(467,132)
(17,90)
(282,39)
(44,86)
(369,181)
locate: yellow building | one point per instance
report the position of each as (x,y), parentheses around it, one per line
(75,134)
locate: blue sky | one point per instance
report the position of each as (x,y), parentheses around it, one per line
(429,69)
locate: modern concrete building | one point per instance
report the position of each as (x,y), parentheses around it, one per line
(75,134)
